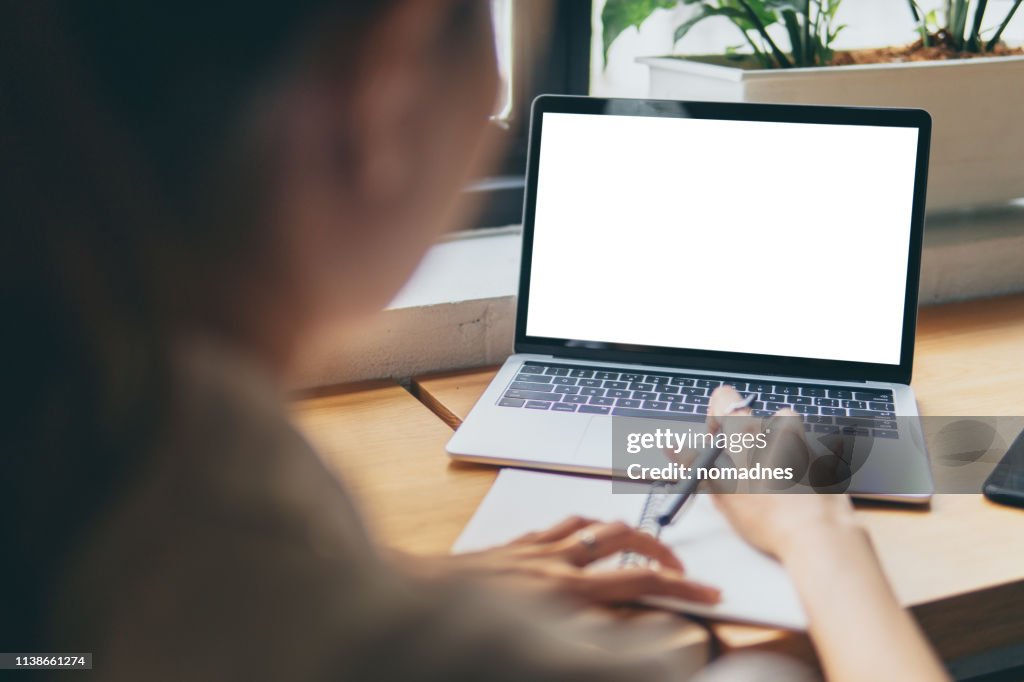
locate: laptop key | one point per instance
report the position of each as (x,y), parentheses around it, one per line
(872,396)
(563,407)
(530,395)
(655,405)
(787,389)
(826,402)
(611,376)
(870,413)
(775,407)
(884,433)
(773,397)
(602,401)
(631,377)
(833,411)
(680,381)
(885,407)
(740,386)
(697,400)
(534,378)
(665,388)
(761,413)
(758,387)
(616,384)
(855,404)
(593,409)
(567,390)
(581,373)
(531,369)
(680,407)
(641,387)
(628,402)
(708,383)
(511,402)
(855,421)
(537,405)
(800,400)
(589,382)
(530,386)
(591,391)
(812,391)
(841,393)
(557,371)
(701,409)
(618,393)
(657,380)
(671,397)
(563,381)
(576,399)
(645,395)
(805,409)
(655,414)
(690,390)
(818,419)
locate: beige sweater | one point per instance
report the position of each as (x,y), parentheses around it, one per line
(238,556)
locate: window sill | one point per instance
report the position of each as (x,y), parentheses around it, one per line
(458,309)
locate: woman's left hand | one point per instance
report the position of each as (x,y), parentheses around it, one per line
(558,560)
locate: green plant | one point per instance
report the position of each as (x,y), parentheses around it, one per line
(809,24)
(954,33)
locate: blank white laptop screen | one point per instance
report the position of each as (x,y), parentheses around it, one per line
(787,239)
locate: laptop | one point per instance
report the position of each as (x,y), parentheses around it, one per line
(670,247)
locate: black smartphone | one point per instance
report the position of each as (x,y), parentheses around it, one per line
(1005,484)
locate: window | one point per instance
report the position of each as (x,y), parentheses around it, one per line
(869,23)
(567,59)
(501,11)
(542,47)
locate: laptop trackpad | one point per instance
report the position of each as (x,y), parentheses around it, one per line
(595,448)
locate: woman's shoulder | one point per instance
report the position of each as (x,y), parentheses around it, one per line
(232,501)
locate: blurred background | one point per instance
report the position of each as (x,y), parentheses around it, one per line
(979,171)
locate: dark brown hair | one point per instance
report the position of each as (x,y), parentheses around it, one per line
(116,119)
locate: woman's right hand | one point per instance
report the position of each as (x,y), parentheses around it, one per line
(779,524)
(851,609)
(782,525)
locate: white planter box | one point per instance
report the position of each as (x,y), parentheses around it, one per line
(977,153)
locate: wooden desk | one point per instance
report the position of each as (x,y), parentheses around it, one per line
(958,565)
(389,449)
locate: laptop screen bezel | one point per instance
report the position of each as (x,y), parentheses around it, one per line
(749,363)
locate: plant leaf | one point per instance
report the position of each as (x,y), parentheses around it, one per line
(618,15)
(796,47)
(796,6)
(703,13)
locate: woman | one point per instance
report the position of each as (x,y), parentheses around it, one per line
(193,192)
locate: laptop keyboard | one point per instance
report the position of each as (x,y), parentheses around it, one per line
(660,395)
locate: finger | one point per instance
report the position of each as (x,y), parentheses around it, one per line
(633,584)
(559,531)
(722,398)
(786,448)
(607,539)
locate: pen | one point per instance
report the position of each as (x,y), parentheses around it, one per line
(704,461)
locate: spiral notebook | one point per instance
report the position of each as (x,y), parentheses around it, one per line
(755,587)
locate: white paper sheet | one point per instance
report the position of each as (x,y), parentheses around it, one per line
(755,588)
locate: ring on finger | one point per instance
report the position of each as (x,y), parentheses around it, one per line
(588,539)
